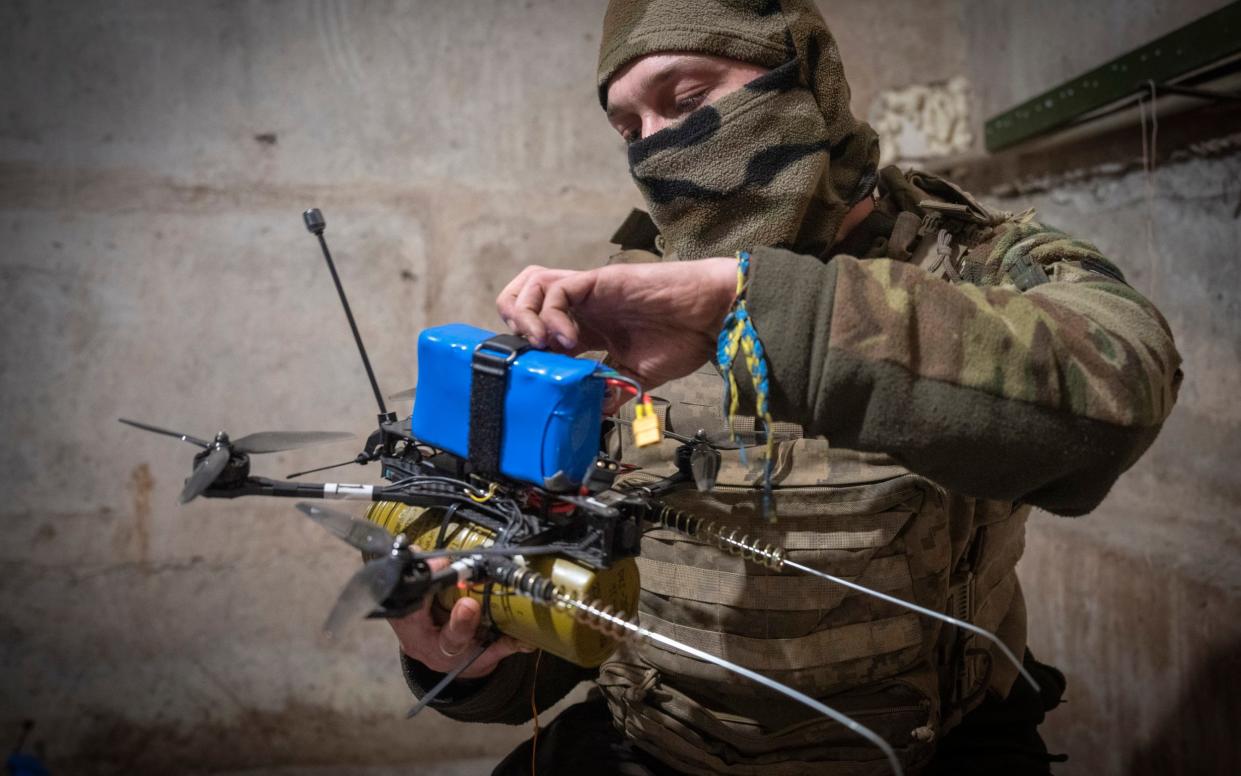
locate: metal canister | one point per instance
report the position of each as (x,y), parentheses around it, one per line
(551,629)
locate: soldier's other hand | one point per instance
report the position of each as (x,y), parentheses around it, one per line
(443,646)
(657,321)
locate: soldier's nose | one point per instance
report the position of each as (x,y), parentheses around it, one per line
(652,124)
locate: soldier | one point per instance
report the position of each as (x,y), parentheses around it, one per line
(964,364)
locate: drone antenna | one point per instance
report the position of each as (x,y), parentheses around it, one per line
(315,225)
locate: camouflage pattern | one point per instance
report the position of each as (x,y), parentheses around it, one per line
(1078,370)
(860,515)
(1121,378)
(776,163)
(964,364)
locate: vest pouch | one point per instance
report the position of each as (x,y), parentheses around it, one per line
(883,530)
(686,735)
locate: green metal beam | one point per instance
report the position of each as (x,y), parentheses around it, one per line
(1198,44)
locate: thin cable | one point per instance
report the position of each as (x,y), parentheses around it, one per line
(617,377)
(617,623)
(969,626)
(1151,161)
(534,707)
(626,385)
(732,540)
(502,552)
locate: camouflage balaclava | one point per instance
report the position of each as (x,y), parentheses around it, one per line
(776,163)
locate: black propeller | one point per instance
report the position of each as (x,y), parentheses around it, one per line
(166,432)
(374,582)
(205,473)
(366,590)
(360,534)
(221,450)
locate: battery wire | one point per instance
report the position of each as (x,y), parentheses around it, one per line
(615,379)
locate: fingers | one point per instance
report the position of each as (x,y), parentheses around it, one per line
(442,649)
(458,634)
(563,295)
(507,300)
(537,304)
(436,564)
(526,310)
(521,300)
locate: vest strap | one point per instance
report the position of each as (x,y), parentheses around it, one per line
(815,532)
(826,647)
(776,592)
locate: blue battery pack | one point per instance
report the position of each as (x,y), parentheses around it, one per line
(552,406)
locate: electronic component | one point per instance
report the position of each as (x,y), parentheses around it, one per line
(646,430)
(542,410)
(554,630)
(499,470)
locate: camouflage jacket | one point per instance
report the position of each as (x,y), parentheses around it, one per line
(1035,375)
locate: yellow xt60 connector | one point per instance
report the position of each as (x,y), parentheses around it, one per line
(646,430)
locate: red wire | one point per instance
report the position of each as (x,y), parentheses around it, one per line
(614,383)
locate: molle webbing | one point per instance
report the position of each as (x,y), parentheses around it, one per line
(775,591)
(824,648)
(867,520)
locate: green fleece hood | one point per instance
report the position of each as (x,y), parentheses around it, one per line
(778,162)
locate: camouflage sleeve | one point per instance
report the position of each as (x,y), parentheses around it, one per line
(504,695)
(1043,396)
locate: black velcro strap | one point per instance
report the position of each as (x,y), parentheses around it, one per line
(492,359)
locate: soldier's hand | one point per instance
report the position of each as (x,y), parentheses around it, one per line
(443,646)
(657,321)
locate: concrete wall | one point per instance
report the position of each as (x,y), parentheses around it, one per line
(154,159)
(1138,602)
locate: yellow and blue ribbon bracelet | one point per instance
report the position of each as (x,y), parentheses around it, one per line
(738,336)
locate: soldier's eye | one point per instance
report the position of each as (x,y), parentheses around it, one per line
(690,102)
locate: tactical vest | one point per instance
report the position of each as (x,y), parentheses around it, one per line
(857,515)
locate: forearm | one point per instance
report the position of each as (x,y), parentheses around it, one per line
(1044,396)
(504,695)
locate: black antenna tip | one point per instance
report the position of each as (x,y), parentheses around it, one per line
(314,221)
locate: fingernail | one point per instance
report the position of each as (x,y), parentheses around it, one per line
(565,341)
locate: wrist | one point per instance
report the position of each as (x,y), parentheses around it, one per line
(720,275)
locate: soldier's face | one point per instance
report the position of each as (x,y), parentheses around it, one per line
(657,90)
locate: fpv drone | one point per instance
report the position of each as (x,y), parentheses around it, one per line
(499,469)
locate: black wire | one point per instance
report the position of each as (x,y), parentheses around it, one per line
(506,551)
(441,538)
